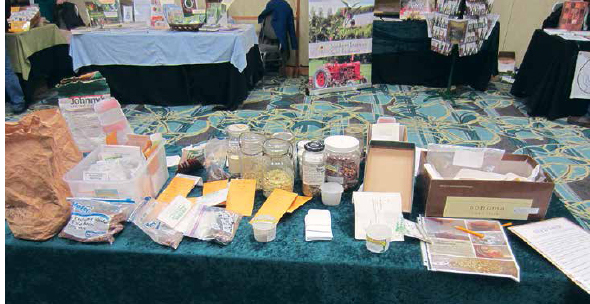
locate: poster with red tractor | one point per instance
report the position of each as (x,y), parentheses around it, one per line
(340,45)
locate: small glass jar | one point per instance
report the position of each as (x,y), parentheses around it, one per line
(314,168)
(343,160)
(300,150)
(278,166)
(233,152)
(357,131)
(251,157)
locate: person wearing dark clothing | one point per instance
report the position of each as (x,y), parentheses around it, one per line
(13,90)
(282,22)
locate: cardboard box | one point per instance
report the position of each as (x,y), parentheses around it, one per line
(389,167)
(511,200)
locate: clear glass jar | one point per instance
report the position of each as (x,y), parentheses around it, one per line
(251,157)
(233,152)
(288,136)
(343,160)
(314,168)
(278,166)
(357,131)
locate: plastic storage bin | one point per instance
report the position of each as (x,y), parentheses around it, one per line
(147,181)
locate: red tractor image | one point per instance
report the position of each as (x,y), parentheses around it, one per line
(338,75)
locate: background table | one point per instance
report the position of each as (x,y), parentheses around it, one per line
(40,53)
(168,67)
(288,270)
(545,76)
(402,55)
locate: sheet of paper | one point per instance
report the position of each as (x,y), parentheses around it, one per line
(377,208)
(175,211)
(581,81)
(240,197)
(215,186)
(563,243)
(299,201)
(141,9)
(172,161)
(385,131)
(277,204)
(467,158)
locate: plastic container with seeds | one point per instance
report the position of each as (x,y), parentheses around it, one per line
(342,160)
(314,168)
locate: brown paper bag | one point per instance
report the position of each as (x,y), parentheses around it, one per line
(39,151)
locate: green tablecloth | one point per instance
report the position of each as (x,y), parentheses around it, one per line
(289,270)
(22,45)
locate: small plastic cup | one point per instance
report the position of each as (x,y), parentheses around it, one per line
(331,193)
(378,238)
(265,228)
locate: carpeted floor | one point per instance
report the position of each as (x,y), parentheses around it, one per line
(492,118)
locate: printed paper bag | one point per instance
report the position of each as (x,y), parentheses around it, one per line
(39,151)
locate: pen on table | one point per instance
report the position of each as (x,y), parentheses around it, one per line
(480,235)
(507,224)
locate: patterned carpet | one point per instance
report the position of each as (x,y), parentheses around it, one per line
(492,118)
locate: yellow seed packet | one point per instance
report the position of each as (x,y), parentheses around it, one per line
(277,204)
(241,196)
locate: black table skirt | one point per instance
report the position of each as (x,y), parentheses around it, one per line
(546,74)
(217,83)
(51,65)
(402,55)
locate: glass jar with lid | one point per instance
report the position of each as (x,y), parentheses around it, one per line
(233,152)
(342,160)
(288,136)
(300,150)
(314,167)
(251,157)
(278,166)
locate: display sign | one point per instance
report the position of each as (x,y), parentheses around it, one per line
(340,44)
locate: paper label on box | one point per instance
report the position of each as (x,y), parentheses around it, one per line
(96,176)
(522,210)
(469,159)
(486,207)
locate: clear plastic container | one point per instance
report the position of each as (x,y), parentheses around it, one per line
(112,119)
(278,166)
(251,157)
(314,168)
(357,131)
(147,180)
(378,238)
(233,152)
(343,160)
(264,228)
(331,194)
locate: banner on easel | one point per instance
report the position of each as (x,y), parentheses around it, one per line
(340,45)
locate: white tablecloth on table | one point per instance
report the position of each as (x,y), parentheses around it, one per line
(148,47)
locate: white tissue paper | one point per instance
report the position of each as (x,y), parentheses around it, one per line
(318,225)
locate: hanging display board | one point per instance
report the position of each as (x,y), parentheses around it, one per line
(340,45)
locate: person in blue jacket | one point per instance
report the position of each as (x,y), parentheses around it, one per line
(282,22)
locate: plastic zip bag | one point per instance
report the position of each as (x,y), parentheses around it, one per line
(158,231)
(214,224)
(215,159)
(93,221)
(449,160)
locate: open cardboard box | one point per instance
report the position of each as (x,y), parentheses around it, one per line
(389,167)
(514,200)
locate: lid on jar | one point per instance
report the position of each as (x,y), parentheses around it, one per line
(301,144)
(288,136)
(275,146)
(237,129)
(251,142)
(341,143)
(314,146)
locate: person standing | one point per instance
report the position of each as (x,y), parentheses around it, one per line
(16,97)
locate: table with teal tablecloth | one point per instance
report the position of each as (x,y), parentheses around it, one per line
(134,269)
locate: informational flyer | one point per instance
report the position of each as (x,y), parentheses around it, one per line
(83,122)
(340,44)
(486,251)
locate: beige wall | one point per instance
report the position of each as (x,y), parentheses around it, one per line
(518,21)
